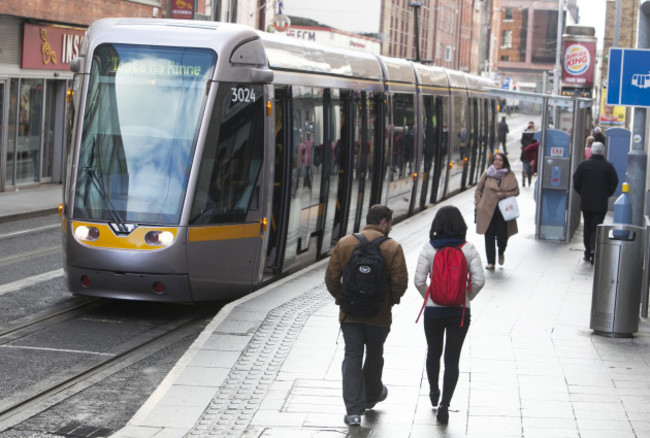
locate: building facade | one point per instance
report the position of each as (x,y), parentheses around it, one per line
(528,41)
(39,39)
(446,31)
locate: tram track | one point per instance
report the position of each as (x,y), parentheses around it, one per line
(32,323)
(61,386)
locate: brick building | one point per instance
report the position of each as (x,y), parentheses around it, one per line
(446,30)
(527,42)
(627,28)
(39,39)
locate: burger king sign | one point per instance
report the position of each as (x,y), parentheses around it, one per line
(578,64)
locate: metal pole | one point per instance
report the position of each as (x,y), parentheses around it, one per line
(416,9)
(541,150)
(558,52)
(637,157)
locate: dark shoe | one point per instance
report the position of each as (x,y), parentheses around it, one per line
(443,414)
(352,420)
(434,396)
(490,266)
(502,259)
(382,397)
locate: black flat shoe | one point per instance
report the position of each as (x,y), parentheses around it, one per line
(443,414)
(434,396)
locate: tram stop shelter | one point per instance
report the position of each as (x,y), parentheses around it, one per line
(566,123)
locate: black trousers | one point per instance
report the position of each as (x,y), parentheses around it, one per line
(591,221)
(497,230)
(362,382)
(448,329)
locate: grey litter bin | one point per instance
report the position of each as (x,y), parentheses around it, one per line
(618,275)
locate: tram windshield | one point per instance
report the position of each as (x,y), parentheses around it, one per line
(140,125)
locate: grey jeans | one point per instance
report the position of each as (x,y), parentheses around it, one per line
(362,383)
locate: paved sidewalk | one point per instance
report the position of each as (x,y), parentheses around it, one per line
(30,202)
(269,364)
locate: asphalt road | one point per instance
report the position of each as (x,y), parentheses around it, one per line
(31,286)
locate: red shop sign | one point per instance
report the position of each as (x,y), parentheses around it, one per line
(182,9)
(50,47)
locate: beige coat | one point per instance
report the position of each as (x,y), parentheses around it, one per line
(485,200)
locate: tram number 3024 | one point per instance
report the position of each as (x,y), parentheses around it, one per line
(242,94)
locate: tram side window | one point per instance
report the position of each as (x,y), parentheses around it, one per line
(232,157)
(462,136)
(403,136)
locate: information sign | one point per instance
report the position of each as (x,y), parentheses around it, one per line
(628,78)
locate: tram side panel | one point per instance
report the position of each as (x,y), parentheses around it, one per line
(224,223)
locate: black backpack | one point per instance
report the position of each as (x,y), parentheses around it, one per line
(364,279)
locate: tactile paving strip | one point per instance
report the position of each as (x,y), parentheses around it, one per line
(241,394)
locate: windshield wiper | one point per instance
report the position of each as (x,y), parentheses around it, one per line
(99,186)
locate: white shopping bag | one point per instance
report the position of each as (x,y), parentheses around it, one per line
(509,208)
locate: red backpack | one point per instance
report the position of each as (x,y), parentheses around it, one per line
(449,279)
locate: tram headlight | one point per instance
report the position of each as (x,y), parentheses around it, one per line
(89,234)
(159,238)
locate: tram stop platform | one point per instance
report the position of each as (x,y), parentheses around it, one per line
(269,364)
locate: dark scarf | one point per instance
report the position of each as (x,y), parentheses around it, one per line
(442,241)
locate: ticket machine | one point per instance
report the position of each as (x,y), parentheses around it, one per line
(556,182)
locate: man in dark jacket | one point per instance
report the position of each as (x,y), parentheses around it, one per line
(595,180)
(362,381)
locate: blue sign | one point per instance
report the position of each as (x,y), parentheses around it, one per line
(628,77)
(506,83)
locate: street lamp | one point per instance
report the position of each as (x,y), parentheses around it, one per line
(416,9)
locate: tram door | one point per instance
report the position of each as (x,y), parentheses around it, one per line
(441,167)
(429,126)
(3,147)
(296,223)
(277,226)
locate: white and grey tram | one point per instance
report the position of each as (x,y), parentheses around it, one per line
(207,159)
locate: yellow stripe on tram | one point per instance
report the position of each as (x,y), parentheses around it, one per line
(224,232)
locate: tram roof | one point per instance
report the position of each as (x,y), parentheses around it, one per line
(294,54)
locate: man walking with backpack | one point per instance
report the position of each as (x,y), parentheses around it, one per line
(366,275)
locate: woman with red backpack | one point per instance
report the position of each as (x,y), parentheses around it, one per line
(446,322)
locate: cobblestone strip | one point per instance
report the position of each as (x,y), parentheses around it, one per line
(241,394)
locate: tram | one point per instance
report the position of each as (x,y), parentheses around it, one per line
(208,159)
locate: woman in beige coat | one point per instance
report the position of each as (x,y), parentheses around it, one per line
(496,183)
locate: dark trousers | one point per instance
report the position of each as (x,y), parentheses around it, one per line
(362,383)
(591,221)
(497,230)
(435,329)
(502,146)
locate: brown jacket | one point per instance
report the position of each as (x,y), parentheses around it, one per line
(395,269)
(485,200)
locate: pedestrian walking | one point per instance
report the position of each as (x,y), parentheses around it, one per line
(502,135)
(497,182)
(590,142)
(364,330)
(446,323)
(598,135)
(595,180)
(527,137)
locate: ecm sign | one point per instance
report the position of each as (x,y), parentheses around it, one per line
(628,78)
